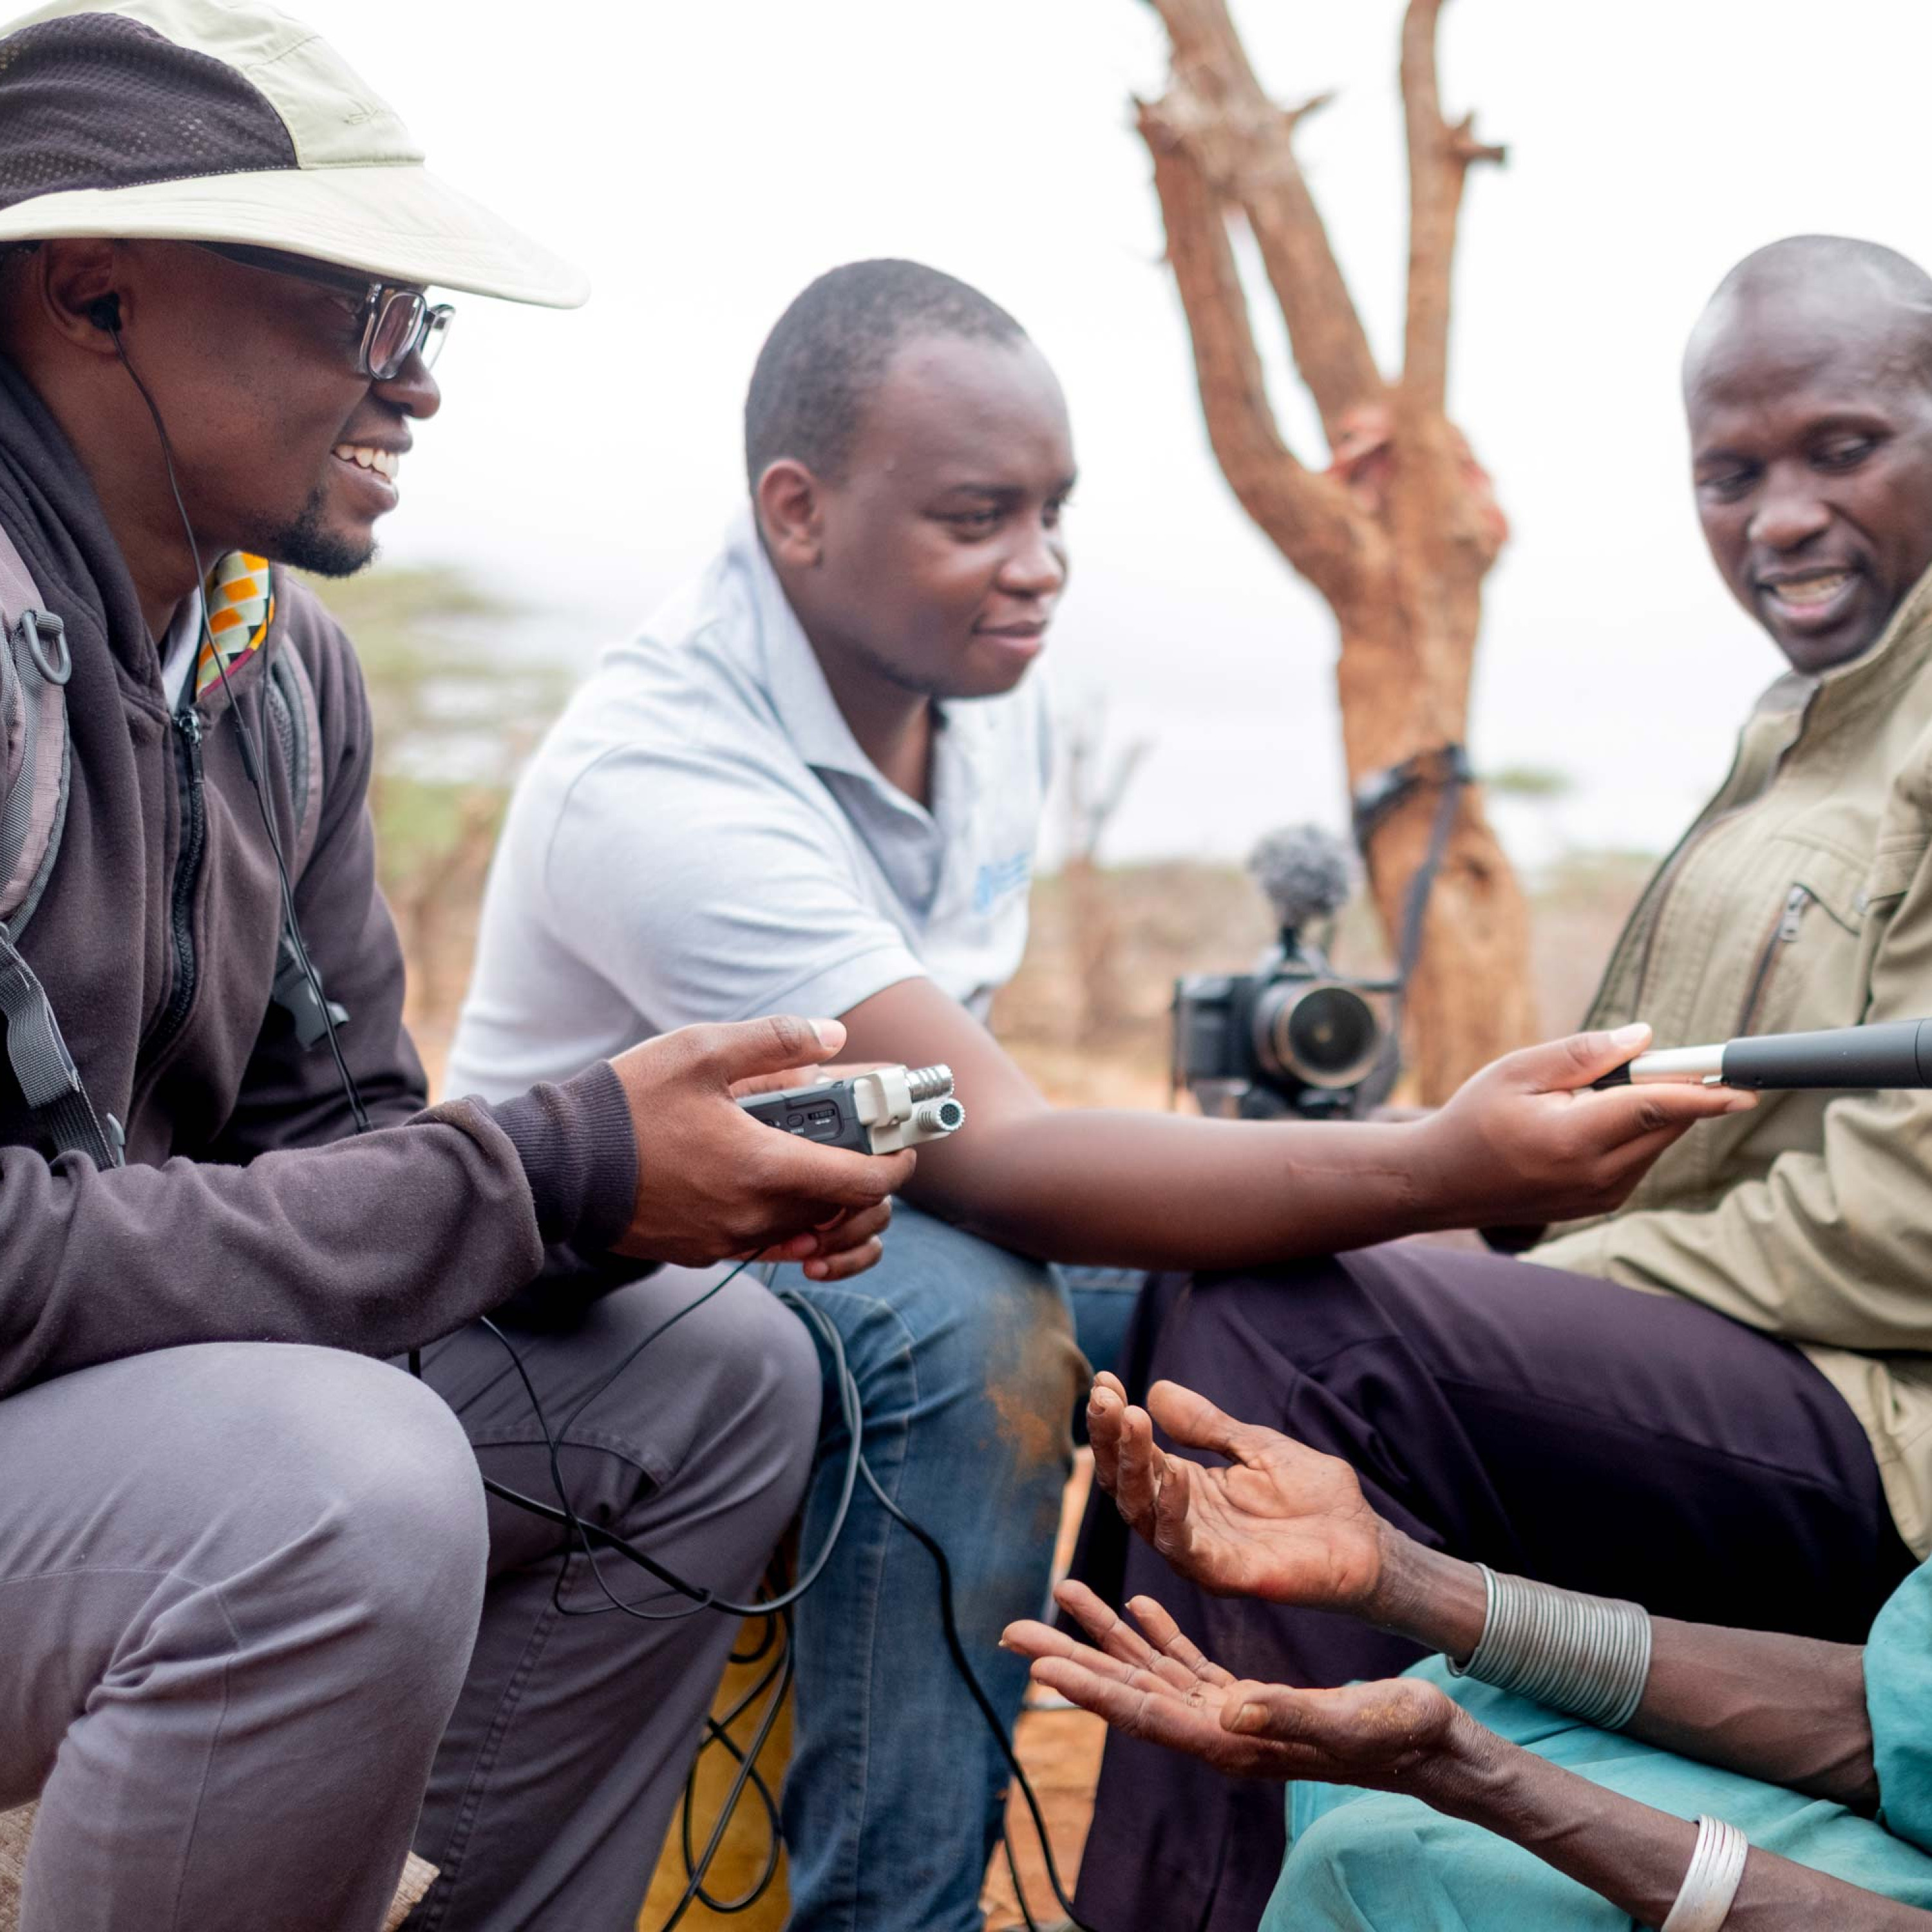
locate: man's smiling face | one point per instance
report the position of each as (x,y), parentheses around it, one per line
(319,445)
(1810,403)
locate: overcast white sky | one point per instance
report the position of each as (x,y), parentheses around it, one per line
(705,159)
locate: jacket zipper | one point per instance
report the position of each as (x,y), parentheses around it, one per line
(1782,935)
(188,873)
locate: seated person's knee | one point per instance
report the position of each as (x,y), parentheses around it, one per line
(1363,1865)
(390,1486)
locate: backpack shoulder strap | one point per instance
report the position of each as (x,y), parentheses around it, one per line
(296,717)
(17,584)
(34,669)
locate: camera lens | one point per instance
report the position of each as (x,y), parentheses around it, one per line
(1322,1034)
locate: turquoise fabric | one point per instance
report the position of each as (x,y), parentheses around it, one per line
(1364,1862)
(1898,1695)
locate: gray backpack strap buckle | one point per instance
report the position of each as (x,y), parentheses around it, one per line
(43,637)
(296,995)
(49,1082)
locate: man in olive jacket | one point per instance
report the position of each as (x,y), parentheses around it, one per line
(1750,1442)
(1801,896)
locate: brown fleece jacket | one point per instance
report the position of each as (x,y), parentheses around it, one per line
(248,1209)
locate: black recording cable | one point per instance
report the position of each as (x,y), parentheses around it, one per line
(584,1534)
(778,1629)
(105,314)
(588,1533)
(698,1869)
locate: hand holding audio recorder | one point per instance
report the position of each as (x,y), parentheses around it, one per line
(881,1111)
(712,1185)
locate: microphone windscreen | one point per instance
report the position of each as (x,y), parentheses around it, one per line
(1306,870)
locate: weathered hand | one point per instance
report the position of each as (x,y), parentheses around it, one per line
(1157,1685)
(1282,1522)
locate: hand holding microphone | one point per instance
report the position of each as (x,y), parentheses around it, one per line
(1894,1054)
(1529,1139)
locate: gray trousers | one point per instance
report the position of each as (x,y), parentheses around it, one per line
(252,1606)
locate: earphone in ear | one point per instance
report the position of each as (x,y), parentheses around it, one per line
(104,312)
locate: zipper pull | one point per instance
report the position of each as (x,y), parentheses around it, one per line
(1796,901)
(188,722)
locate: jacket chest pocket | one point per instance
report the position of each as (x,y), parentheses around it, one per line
(1804,974)
(1895,869)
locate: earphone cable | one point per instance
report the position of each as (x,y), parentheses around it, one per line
(251,763)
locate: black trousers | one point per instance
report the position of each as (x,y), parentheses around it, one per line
(1546,1423)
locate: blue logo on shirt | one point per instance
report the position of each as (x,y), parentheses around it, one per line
(999,878)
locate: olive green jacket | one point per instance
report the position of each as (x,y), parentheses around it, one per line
(1801,897)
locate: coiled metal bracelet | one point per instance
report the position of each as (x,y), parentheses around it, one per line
(1587,1655)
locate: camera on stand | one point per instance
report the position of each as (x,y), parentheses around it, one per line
(1293,1036)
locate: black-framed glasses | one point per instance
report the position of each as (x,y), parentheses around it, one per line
(396,321)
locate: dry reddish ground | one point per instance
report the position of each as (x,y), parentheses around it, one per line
(1061,1752)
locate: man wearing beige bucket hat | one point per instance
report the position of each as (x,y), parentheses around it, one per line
(255,1604)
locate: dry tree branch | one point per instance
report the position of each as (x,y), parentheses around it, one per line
(1293,117)
(1244,142)
(1439,158)
(1308,515)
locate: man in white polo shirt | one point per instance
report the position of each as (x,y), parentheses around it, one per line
(814,782)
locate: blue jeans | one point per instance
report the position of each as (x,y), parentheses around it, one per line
(1103,1299)
(968,1375)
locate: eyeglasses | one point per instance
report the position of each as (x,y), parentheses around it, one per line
(395,323)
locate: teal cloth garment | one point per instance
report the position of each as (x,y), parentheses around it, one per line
(1364,1862)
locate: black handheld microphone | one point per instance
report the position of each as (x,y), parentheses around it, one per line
(1897,1053)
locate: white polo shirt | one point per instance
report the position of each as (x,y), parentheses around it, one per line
(701,838)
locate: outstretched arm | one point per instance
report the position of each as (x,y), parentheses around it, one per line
(1284,1522)
(1406,1736)
(1524,1142)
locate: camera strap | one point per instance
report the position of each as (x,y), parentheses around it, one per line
(1376,799)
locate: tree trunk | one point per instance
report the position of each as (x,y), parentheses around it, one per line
(1400,530)
(1469,1000)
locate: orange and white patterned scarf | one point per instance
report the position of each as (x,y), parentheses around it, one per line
(240,600)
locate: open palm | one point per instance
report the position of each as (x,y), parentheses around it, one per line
(1149,1681)
(1282,1521)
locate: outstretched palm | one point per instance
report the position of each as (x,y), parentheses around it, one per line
(1282,1521)
(1151,1682)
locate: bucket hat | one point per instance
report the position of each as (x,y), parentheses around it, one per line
(228,120)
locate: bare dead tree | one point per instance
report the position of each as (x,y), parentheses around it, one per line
(1399,531)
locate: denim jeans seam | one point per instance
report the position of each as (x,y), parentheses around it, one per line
(874,1599)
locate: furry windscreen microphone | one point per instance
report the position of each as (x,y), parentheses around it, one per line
(1307,872)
